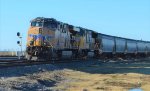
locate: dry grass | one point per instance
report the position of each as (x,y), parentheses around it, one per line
(104,82)
(83,79)
(70,80)
(8,53)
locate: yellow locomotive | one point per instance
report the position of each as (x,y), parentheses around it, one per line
(49,38)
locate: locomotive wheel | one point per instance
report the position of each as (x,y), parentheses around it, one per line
(48,57)
(75,54)
(49,54)
(59,54)
(84,54)
(96,54)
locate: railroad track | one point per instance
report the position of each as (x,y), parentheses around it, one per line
(14,63)
(23,62)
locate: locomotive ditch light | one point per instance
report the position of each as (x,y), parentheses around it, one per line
(18,34)
(31,42)
(40,30)
(45,44)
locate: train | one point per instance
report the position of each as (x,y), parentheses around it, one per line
(51,39)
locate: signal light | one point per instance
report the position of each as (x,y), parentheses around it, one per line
(18,34)
(18,42)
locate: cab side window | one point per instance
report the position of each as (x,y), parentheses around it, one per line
(33,24)
(50,24)
(37,24)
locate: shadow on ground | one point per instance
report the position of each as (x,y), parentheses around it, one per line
(90,66)
(98,67)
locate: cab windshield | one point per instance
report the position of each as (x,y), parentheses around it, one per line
(50,24)
(36,24)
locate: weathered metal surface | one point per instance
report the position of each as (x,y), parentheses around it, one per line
(108,43)
(141,47)
(120,45)
(131,46)
(148,47)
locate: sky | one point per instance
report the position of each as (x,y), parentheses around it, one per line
(123,18)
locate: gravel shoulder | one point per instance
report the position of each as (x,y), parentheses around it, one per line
(77,76)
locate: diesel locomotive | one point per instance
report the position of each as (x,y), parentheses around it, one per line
(48,38)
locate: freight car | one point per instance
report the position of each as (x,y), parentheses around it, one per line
(49,38)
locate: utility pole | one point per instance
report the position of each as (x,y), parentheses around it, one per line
(20,44)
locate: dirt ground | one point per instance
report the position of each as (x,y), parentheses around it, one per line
(95,77)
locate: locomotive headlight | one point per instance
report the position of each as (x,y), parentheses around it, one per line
(45,44)
(31,43)
(40,30)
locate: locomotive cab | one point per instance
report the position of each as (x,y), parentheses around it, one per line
(40,38)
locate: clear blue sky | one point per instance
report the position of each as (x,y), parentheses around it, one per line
(124,18)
